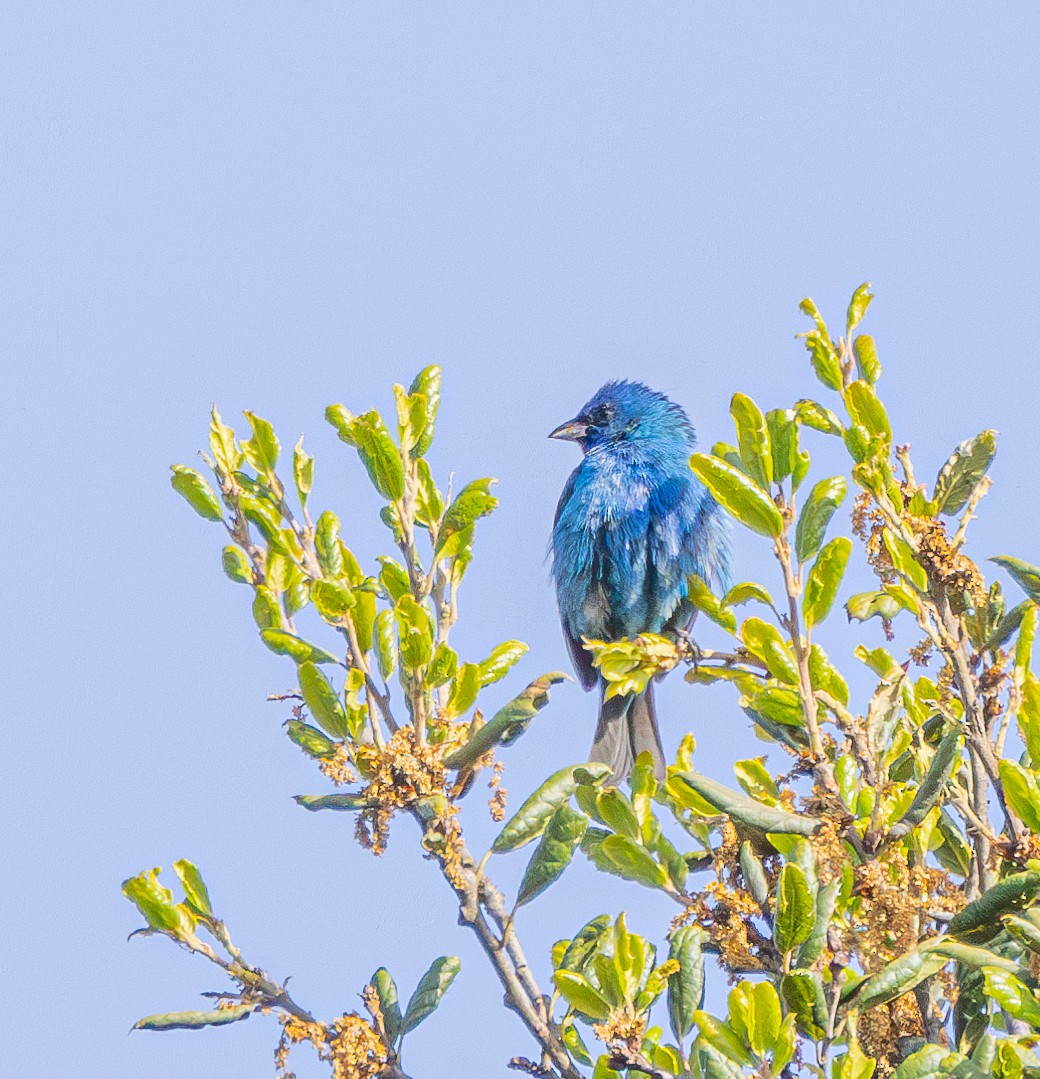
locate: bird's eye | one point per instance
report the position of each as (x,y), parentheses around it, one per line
(599,416)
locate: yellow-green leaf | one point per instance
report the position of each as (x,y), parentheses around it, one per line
(738,495)
(816,514)
(821,586)
(752,439)
(196,492)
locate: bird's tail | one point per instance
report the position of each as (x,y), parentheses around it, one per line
(627,727)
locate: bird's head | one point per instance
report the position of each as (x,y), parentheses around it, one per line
(629,413)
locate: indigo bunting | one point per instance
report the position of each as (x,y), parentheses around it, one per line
(632,523)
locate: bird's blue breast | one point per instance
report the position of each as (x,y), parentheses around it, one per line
(628,532)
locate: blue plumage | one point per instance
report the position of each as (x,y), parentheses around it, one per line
(632,523)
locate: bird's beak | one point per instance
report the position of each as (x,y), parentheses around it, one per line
(571,431)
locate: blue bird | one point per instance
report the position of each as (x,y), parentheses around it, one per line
(632,523)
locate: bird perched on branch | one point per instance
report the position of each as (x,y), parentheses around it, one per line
(632,524)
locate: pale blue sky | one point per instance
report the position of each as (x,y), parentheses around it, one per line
(276,206)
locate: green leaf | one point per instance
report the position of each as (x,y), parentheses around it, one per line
(617,812)
(411,418)
(334,601)
(857,442)
(572,1040)
(303,472)
(899,977)
(195,892)
(744,592)
(443,667)
(980,919)
(858,307)
(752,439)
(431,988)
(686,985)
(196,492)
(854,1064)
(584,944)
(738,495)
(580,994)
(457,546)
(1021,792)
(931,1062)
(195,1020)
(427,383)
(1027,714)
(825,676)
(904,561)
(1014,997)
(754,874)
(824,359)
(266,613)
(816,514)
(322,701)
(378,454)
(415,629)
(223,445)
(947,754)
(866,605)
(766,642)
(754,1011)
(821,586)
(153,900)
(720,1036)
(795,911)
(813,414)
(754,777)
(429,506)
(728,454)
(808,307)
(394,578)
(508,723)
(327,545)
(782,426)
(1024,930)
(339,802)
(701,597)
(469,505)
(867,411)
(288,644)
(954,854)
(776,705)
(631,953)
(386,991)
(739,807)
(310,739)
(962,473)
(867,364)
(628,859)
(554,852)
(503,657)
(343,421)
(1027,576)
(464,690)
(530,819)
(262,449)
(364,618)
(803,994)
(971,955)
(236,565)
(385,644)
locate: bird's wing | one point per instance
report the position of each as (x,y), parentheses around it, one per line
(573,573)
(687,535)
(581,658)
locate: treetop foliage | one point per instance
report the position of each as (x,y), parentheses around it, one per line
(872,904)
